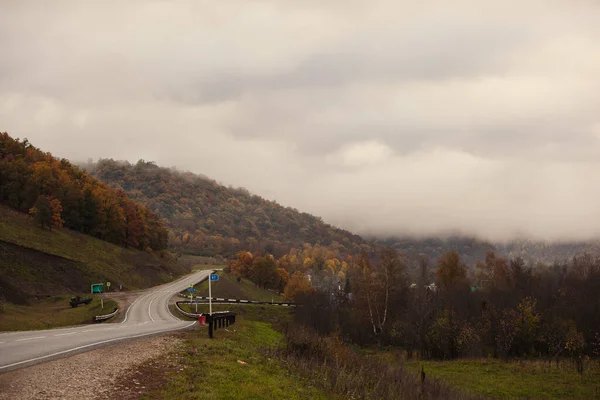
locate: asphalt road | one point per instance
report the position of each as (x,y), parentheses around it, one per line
(148,314)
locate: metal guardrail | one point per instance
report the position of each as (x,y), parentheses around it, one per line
(185,313)
(99,318)
(242,301)
(219,319)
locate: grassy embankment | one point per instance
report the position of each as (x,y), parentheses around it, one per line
(52,313)
(526,379)
(236,364)
(229,288)
(37,265)
(233,366)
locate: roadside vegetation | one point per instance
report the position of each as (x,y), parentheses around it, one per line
(267,335)
(238,363)
(54,312)
(516,316)
(278,359)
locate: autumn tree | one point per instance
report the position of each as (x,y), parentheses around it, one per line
(242,266)
(56,213)
(298,284)
(451,270)
(42,212)
(264,272)
(283,278)
(495,272)
(378,285)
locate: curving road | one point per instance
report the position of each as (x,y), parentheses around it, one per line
(148,314)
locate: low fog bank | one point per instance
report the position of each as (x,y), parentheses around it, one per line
(449,193)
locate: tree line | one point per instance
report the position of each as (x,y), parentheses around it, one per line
(57,193)
(498,307)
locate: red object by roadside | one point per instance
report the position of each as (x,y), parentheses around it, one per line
(202,320)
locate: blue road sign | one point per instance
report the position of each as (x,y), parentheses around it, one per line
(191,290)
(214,277)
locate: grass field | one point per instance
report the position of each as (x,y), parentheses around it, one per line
(527,379)
(234,364)
(51,313)
(228,287)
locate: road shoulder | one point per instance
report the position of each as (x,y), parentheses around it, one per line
(97,374)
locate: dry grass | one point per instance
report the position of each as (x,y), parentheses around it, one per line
(338,368)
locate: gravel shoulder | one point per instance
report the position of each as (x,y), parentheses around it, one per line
(105,373)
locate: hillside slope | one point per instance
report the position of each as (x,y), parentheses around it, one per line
(209,219)
(58,194)
(37,263)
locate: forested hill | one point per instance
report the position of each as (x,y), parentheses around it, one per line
(206,218)
(57,193)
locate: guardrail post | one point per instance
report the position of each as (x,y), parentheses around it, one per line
(210,325)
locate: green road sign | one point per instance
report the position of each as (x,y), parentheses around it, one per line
(97,288)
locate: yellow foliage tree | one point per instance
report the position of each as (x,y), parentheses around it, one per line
(298,283)
(56,209)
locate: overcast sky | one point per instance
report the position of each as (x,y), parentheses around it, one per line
(388,117)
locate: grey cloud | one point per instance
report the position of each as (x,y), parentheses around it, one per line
(380,116)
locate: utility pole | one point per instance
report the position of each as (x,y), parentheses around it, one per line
(209,296)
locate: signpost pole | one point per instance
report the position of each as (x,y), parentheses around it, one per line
(209,296)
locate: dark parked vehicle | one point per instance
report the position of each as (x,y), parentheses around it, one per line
(77,300)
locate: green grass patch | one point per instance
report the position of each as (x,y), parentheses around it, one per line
(201,261)
(228,287)
(526,379)
(233,366)
(54,312)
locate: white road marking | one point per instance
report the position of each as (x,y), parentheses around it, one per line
(128,308)
(149,312)
(31,338)
(92,344)
(66,334)
(89,330)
